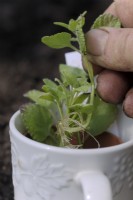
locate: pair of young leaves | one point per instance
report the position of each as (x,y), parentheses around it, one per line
(65,106)
(65,39)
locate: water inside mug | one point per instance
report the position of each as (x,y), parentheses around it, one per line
(106,139)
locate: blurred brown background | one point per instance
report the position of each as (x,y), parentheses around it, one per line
(24,61)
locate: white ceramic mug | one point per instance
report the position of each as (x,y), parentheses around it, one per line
(43,172)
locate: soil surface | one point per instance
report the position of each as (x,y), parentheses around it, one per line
(24,61)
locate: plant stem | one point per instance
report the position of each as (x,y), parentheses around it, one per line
(89,68)
(74,48)
(60,110)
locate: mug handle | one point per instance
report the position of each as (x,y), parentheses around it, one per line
(95,185)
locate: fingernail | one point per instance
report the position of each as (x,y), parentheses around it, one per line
(96,40)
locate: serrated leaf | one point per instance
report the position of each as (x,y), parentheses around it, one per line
(38,121)
(80,34)
(57,41)
(72,75)
(106,20)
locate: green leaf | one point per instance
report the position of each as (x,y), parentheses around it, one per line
(72,25)
(80,34)
(61,24)
(53,89)
(106,20)
(37,121)
(47,96)
(66,93)
(72,75)
(35,95)
(103,116)
(49,84)
(81,19)
(57,41)
(83,88)
(50,87)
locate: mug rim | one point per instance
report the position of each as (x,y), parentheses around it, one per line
(14,131)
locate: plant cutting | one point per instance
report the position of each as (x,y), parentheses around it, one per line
(65,117)
(68,111)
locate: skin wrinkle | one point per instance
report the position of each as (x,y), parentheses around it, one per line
(119,57)
(116,57)
(110,57)
(94,40)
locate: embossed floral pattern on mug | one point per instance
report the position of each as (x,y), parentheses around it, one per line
(122,172)
(39,177)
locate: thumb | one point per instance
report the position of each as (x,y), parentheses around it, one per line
(111,48)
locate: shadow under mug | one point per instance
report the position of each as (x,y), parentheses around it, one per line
(44,172)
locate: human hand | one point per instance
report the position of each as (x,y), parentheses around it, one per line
(111,52)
